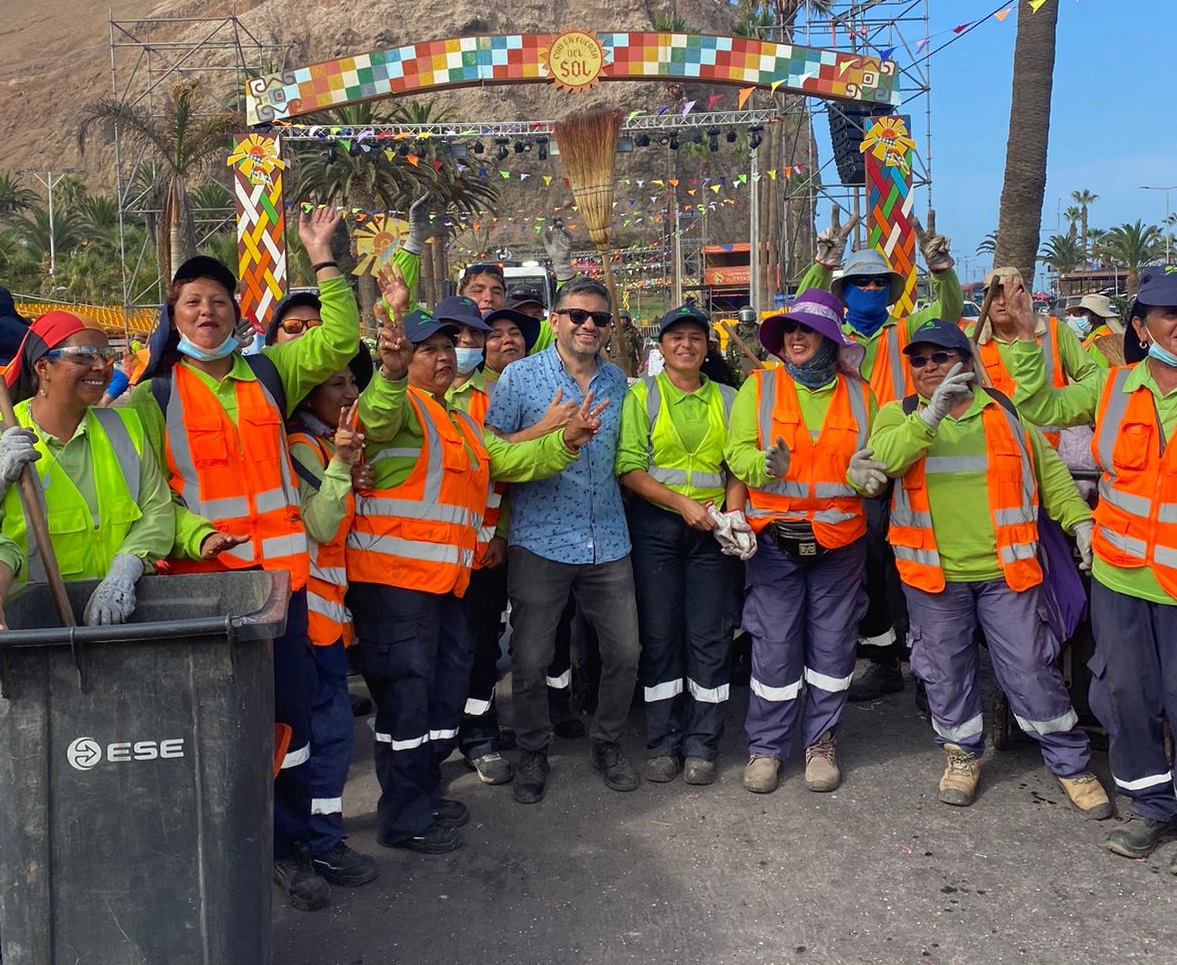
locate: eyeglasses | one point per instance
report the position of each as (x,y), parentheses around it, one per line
(578,316)
(936,358)
(295,326)
(791,325)
(868,281)
(84,354)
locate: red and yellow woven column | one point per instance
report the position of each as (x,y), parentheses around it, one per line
(261,223)
(888,148)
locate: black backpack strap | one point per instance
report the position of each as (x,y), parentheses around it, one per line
(266,372)
(911,402)
(161,389)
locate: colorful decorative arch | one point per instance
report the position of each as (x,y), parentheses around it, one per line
(574,60)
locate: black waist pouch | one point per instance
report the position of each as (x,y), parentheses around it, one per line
(796,540)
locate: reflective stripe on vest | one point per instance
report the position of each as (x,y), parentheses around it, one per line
(669,461)
(815,486)
(1004,382)
(421,533)
(479,401)
(238,476)
(1136,516)
(1013,507)
(890,379)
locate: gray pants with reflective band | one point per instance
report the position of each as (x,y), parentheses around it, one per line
(803,618)
(1134,686)
(945,655)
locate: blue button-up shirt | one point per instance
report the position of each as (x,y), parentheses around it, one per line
(577,516)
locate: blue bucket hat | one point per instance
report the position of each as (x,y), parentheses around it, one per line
(869,261)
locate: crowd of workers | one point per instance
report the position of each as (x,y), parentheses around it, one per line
(890,483)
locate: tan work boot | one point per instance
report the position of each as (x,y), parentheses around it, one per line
(762,775)
(1087,796)
(962,774)
(821,764)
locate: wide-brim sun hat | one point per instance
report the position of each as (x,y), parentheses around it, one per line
(821,311)
(869,261)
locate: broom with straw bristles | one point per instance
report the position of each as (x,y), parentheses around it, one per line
(588,148)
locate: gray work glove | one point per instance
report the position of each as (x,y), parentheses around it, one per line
(558,244)
(113,600)
(831,241)
(414,244)
(868,474)
(734,535)
(17,450)
(933,246)
(776,459)
(949,392)
(1082,534)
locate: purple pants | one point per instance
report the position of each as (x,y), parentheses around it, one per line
(945,653)
(803,619)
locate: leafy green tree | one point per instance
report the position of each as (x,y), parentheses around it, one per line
(1062,253)
(1084,199)
(1132,247)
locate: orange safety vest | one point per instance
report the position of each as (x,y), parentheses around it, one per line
(1004,382)
(1013,505)
(479,406)
(815,487)
(421,534)
(890,379)
(238,476)
(1136,517)
(328,618)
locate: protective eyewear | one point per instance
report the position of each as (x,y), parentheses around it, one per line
(578,316)
(791,325)
(84,354)
(936,358)
(295,326)
(868,281)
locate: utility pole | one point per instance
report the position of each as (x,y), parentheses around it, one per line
(754,233)
(49,180)
(1166,189)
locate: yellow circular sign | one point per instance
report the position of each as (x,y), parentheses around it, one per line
(575,60)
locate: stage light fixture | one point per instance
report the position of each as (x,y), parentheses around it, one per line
(479,147)
(642,140)
(755,136)
(502,145)
(713,138)
(731,136)
(542,146)
(673,145)
(332,154)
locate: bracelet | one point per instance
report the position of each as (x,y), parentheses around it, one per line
(319,266)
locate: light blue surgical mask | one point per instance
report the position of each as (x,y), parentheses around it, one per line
(468,359)
(1162,355)
(224,350)
(1080,325)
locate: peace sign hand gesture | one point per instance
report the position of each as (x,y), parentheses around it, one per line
(349,439)
(831,241)
(933,246)
(584,423)
(396,351)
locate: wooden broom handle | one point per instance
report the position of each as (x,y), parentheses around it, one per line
(731,333)
(618,341)
(30,494)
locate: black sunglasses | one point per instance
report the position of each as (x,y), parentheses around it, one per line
(487,269)
(936,358)
(791,325)
(579,316)
(866,281)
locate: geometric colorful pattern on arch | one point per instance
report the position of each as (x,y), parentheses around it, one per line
(261,237)
(889,200)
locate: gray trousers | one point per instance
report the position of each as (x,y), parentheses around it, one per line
(604,593)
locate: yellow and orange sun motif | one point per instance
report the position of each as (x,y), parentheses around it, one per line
(257,157)
(889,141)
(377,240)
(574,61)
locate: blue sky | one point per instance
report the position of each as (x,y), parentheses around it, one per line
(1113,121)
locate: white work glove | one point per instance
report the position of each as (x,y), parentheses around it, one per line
(732,532)
(17,450)
(868,474)
(113,600)
(949,392)
(558,244)
(414,244)
(935,248)
(831,241)
(1082,533)
(776,459)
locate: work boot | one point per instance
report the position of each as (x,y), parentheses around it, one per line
(878,679)
(492,768)
(305,890)
(1138,837)
(435,839)
(344,867)
(762,775)
(620,774)
(531,777)
(821,764)
(451,814)
(661,770)
(962,774)
(698,770)
(566,723)
(1087,796)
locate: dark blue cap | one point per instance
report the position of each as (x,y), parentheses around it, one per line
(942,333)
(525,295)
(420,325)
(461,310)
(1158,286)
(684,313)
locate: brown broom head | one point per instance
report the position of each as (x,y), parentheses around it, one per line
(588,150)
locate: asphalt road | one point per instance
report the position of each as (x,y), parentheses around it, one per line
(876,872)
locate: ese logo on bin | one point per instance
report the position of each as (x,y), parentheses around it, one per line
(85,753)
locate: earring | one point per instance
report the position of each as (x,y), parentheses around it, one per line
(41,392)
(1143,343)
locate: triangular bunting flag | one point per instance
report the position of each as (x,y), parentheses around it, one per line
(745,93)
(686,108)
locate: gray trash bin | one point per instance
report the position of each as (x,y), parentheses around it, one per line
(136,779)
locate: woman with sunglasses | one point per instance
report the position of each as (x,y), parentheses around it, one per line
(796,433)
(109,504)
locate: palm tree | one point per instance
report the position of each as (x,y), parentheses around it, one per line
(988,245)
(14,196)
(99,216)
(184,139)
(1020,218)
(1132,247)
(1062,253)
(1072,215)
(1084,199)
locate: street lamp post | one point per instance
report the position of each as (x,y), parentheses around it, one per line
(1166,188)
(49,180)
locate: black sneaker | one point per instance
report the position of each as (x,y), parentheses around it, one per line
(620,774)
(1138,837)
(305,890)
(344,867)
(451,814)
(878,679)
(492,768)
(531,777)
(433,840)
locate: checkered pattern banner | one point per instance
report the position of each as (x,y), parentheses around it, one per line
(261,236)
(521,58)
(889,200)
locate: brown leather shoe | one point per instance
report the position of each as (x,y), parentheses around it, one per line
(962,774)
(1087,796)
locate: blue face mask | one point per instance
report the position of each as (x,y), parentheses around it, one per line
(224,350)
(1080,325)
(866,311)
(1162,355)
(468,359)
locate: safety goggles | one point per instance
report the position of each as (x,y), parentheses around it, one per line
(868,281)
(936,358)
(83,354)
(578,316)
(791,325)
(296,326)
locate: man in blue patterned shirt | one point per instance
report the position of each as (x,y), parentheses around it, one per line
(569,534)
